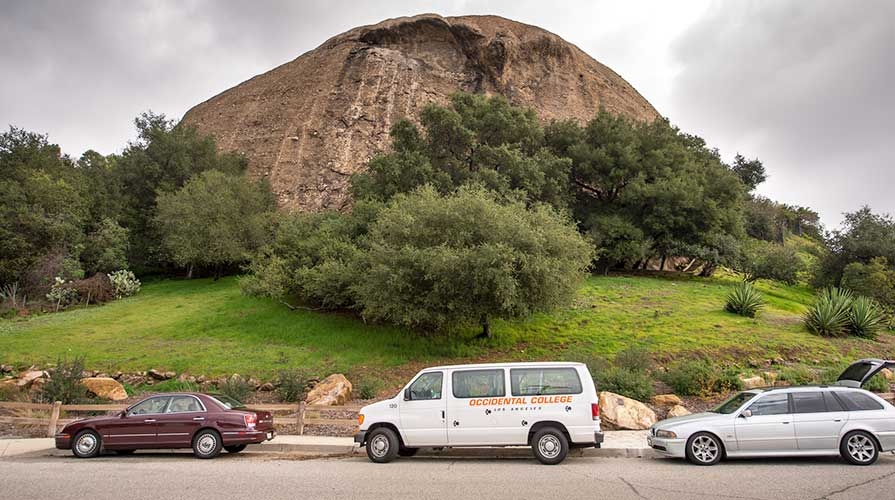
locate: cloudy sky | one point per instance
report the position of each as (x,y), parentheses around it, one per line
(806,86)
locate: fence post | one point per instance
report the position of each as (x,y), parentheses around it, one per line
(301,418)
(54,419)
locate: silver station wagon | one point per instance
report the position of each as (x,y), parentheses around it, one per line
(841,419)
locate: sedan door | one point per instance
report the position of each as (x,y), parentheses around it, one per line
(137,428)
(184,416)
(769,427)
(818,417)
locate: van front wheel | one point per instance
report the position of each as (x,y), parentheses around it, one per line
(550,445)
(382,445)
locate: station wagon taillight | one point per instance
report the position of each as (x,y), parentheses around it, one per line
(595,410)
(251,419)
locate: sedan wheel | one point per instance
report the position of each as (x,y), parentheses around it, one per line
(859,448)
(86,444)
(207,444)
(236,448)
(704,449)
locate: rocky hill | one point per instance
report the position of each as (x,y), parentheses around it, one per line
(309,124)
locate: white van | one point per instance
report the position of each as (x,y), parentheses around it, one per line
(551,407)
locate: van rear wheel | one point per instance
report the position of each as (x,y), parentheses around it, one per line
(382,445)
(550,446)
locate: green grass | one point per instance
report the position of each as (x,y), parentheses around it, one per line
(207,327)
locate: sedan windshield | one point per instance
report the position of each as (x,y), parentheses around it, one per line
(732,404)
(227,401)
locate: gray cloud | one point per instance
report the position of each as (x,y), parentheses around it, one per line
(806,86)
(803,86)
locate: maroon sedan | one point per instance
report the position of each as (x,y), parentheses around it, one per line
(206,423)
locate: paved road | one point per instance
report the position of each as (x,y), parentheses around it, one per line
(175,476)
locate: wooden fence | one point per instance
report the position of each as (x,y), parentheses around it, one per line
(297,414)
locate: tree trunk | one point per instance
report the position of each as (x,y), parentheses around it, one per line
(707,270)
(189,272)
(662,264)
(486,327)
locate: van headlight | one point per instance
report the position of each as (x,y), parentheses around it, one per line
(665,434)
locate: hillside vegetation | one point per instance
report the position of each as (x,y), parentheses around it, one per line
(209,327)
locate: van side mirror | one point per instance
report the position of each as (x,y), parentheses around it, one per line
(407,395)
(746,414)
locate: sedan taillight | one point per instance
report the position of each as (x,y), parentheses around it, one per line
(595,410)
(251,419)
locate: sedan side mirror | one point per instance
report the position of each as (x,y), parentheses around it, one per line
(123,414)
(407,395)
(746,414)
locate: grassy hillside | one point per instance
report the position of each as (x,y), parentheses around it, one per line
(207,327)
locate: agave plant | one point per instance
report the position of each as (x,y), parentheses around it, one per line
(865,317)
(744,300)
(829,315)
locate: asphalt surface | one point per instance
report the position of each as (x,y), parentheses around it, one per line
(178,475)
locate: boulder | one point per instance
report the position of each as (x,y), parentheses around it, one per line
(6,369)
(27,378)
(104,387)
(619,412)
(160,375)
(770,377)
(678,411)
(37,384)
(752,382)
(665,400)
(267,387)
(334,390)
(8,383)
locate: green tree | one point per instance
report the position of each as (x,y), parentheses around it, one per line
(763,260)
(750,172)
(42,209)
(438,260)
(214,220)
(876,280)
(162,159)
(106,248)
(476,140)
(864,236)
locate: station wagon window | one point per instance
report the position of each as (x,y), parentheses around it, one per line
(544,381)
(478,384)
(772,404)
(808,402)
(856,401)
(833,403)
(183,404)
(427,386)
(151,405)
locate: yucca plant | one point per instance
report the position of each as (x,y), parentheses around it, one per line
(865,318)
(744,300)
(829,315)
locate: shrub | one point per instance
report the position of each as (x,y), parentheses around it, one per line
(65,382)
(761,260)
(62,295)
(699,378)
(744,300)
(124,283)
(798,375)
(97,288)
(106,247)
(877,383)
(631,383)
(291,384)
(865,317)
(876,280)
(236,387)
(369,388)
(634,358)
(829,315)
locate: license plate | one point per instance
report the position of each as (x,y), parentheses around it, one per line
(270,435)
(649,441)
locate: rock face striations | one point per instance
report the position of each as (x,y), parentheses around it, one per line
(309,124)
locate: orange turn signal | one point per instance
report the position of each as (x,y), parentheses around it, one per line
(360,419)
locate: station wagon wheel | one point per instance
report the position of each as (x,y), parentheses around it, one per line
(207,444)
(382,445)
(859,448)
(86,444)
(704,449)
(550,446)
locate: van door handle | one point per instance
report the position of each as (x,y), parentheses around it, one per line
(837,420)
(442,414)
(785,422)
(456,423)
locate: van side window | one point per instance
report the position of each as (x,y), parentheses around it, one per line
(427,386)
(544,381)
(478,383)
